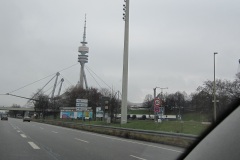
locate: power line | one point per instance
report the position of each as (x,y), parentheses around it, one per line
(21,97)
(94,78)
(99,77)
(68,67)
(48,90)
(42,78)
(66,79)
(30,84)
(44,86)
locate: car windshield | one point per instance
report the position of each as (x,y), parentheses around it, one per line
(125,79)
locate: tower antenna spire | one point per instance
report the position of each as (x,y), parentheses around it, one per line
(84,33)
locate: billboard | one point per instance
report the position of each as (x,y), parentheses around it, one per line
(67,114)
(75,115)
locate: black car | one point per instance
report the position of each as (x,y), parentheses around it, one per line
(4,117)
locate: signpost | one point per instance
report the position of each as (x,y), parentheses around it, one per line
(157,109)
(81,103)
(82,106)
(157,104)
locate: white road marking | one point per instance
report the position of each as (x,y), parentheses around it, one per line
(81,140)
(41,128)
(18,131)
(123,140)
(23,135)
(54,132)
(137,157)
(134,142)
(33,145)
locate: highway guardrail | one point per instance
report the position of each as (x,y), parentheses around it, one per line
(170,138)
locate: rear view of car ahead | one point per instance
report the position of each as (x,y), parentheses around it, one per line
(4,117)
(26,118)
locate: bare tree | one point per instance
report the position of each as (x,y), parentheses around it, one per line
(148,103)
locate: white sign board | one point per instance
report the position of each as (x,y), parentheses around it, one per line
(99,112)
(81,100)
(81,109)
(81,105)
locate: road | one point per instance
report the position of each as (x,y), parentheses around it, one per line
(36,141)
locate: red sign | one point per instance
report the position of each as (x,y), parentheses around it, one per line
(156,109)
(157,102)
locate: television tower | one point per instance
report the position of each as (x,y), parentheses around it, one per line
(83,58)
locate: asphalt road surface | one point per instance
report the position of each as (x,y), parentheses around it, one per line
(35,141)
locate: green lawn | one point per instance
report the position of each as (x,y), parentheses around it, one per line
(190,124)
(187,127)
(195,117)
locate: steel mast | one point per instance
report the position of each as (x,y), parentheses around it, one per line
(59,91)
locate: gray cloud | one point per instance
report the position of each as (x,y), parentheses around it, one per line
(171,43)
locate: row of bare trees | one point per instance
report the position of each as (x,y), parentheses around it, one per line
(201,101)
(96,98)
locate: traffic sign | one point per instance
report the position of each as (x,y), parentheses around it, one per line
(81,100)
(81,105)
(156,109)
(157,102)
(161,109)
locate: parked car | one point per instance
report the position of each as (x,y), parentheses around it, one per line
(26,118)
(4,117)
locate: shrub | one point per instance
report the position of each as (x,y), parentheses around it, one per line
(144,117)
(134,116)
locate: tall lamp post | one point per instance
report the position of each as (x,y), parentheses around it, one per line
(154,96)
(214,93)
(125,64)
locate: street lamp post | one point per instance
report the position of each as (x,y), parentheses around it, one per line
(214,93)
(154,92)
(125,64)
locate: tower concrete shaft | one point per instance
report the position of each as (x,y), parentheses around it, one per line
(83,58)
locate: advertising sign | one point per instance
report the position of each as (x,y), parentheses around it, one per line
(67,114)
(99,112)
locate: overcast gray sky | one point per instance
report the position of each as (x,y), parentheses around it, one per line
(171,43)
